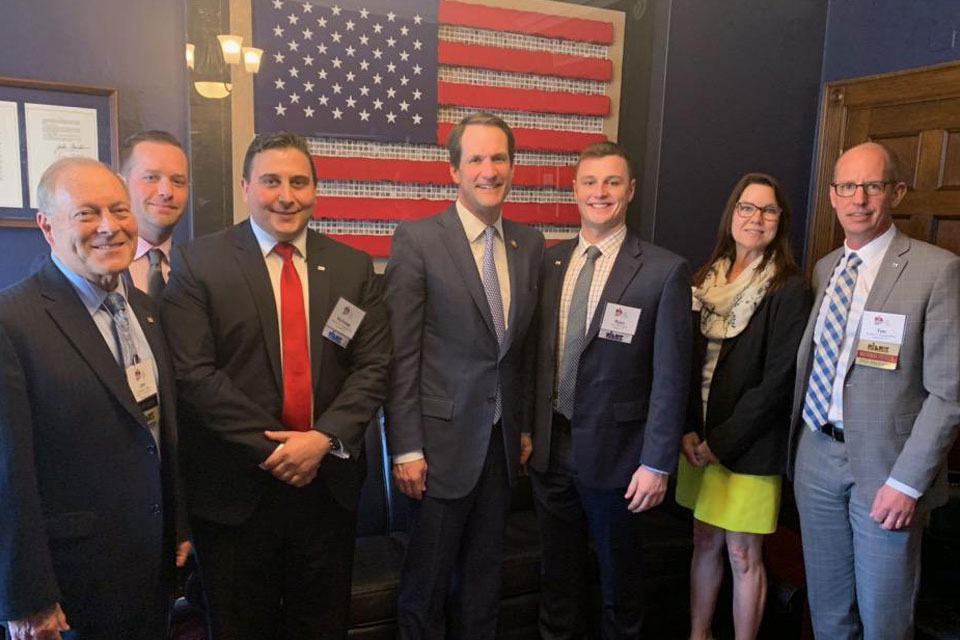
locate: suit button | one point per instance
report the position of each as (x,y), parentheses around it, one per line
(152,450)
(155,509)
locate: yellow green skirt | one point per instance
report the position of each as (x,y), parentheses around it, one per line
(731,501)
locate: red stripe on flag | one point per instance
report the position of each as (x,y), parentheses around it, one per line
(538,139)
(376,246)
(397,209)
(522,99)
(429,172)
(529,22)
(544,63)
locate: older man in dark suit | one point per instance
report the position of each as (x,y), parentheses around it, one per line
(461,287)
(87,432)
(613,363)
(281,346)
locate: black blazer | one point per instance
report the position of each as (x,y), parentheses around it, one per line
(629,398)
(88,507)
(221,321)
(748,409)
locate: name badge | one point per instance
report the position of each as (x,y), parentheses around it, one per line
(881,335)
(619,322)
(343,323)
(143,384)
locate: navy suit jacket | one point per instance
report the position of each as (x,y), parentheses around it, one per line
(88,504)
(221,318)
(630,399)
(447,363)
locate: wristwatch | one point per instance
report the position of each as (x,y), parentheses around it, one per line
(335,444)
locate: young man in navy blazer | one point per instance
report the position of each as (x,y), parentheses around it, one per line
(613,360)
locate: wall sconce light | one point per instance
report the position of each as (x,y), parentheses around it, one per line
(231,47)
(251,59)
(191,55)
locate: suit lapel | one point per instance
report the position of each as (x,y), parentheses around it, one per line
(320,303)
(628,262)
(553,289)
(254,269)
(892,265)
(72,318)
(455,238)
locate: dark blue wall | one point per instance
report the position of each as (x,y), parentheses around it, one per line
(865,37)
(136,47)
(740,95)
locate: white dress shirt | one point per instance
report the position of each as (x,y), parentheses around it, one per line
(872,255)
(140,266)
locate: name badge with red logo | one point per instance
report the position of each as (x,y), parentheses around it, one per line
(881,335)
(619,322)
(343,323)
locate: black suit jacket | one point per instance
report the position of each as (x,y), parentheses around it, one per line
(748,409)
(88,504)
(224,336)
(630,399)
(448,363)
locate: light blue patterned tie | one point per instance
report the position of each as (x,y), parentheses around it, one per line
(116,305)
(491,287)
(576,334)
(824,370)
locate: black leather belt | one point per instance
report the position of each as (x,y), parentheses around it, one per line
(833,431)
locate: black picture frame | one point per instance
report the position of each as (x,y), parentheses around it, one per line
(22,91)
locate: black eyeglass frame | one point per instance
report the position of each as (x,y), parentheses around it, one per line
(861,185)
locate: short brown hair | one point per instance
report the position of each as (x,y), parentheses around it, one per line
(480,118)
(277,140)
(604,149)
(151,135)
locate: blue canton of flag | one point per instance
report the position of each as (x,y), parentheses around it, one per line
(355,69)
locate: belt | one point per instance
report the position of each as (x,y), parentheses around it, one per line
(832,431)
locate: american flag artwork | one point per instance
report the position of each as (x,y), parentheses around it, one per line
(377,85)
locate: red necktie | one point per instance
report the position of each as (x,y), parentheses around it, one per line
(297,392)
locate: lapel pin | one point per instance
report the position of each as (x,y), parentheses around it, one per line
(513,243)
(150,319)
(896,265)
(320,267)
(557,262)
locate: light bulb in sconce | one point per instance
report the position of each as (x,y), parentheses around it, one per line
(251,59)
(231,47)
(191,55)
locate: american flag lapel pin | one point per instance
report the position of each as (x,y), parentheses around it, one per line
(513,243)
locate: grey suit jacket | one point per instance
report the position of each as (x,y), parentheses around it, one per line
(447,362)
(899,423)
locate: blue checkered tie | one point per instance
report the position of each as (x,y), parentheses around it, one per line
(820,385)
(576,334)
(491,287)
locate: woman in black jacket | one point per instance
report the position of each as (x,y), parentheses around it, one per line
(751,305)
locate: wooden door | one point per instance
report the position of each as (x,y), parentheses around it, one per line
(917,114)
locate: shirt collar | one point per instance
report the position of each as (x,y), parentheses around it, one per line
(143,246)
(608,245)
(90,294)
(873,250)
(474,226)
(267,242)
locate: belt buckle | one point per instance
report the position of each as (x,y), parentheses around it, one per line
(832,431)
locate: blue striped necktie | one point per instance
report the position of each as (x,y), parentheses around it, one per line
(824,370)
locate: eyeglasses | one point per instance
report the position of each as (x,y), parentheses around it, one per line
(847,189)
(748,210)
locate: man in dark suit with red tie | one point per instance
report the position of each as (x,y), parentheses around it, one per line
(281,347)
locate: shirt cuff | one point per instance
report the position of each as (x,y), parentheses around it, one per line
(649,468)
(902,488)
(263,465)
(408,457)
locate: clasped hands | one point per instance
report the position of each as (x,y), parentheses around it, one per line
(298,458)
(696,451)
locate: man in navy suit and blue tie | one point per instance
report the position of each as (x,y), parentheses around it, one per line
(613,361)
(462,290)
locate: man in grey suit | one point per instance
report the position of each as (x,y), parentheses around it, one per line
(461,287)
(875,406)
